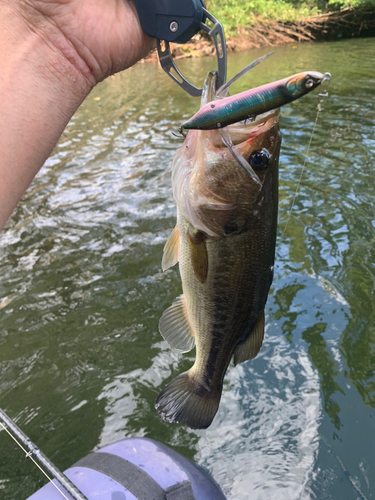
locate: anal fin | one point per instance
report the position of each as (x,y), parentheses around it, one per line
(250,348)
(174,326)
(171,250)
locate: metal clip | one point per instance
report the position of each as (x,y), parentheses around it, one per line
(324,92)
(167,63)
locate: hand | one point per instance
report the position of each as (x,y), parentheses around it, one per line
(100,37)
(52,54)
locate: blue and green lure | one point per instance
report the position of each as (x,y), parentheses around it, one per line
(247,105)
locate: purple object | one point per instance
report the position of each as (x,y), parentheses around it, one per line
(136,469)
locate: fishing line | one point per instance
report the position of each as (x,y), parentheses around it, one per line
(321,96)
(28,455)
(345,471)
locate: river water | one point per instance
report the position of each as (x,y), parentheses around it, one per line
(81,290)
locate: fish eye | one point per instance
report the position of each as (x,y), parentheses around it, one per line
(309,83)
(259,160)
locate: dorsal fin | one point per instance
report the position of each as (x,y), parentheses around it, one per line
(198,254)
(171,250)
(174,326)
(250,348)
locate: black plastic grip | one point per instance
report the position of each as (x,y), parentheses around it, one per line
(171,20)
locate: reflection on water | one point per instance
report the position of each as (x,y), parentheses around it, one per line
(81,290)
(275,437)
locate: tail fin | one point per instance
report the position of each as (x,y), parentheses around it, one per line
(187,402)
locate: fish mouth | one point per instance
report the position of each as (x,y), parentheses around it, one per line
(219,191)
(231,146)
(209,185)
(242,131)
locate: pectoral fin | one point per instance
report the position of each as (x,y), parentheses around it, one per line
(174,326)
(250,348)
(171,249)
(198,254)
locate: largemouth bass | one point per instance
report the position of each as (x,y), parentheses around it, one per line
(224,241)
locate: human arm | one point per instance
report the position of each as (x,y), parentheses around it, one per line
(52,53)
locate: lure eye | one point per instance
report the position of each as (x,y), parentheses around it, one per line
(309,83)
(259,160)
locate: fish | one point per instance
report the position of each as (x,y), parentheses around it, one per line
(247,105)
(224,241)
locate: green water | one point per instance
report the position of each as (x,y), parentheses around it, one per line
(81,290)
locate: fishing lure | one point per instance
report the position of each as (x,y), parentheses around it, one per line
(247,105)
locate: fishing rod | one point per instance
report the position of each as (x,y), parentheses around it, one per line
(33,451)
